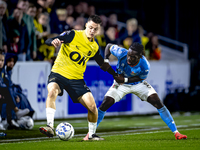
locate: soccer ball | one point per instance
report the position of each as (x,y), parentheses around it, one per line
(65,131)
(26,122)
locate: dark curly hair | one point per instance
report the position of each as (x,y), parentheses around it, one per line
(135,46)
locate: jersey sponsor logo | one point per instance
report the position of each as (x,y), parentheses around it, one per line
(75,56)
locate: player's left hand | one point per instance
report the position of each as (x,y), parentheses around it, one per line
(119,79)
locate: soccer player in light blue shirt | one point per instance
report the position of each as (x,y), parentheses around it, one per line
(133,69)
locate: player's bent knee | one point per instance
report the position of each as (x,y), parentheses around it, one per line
(107,103)
(93,109)
(52,94)
(155,101)
(53,90)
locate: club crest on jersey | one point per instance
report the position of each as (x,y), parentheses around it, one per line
(122,64)
(133,73)
(89,53)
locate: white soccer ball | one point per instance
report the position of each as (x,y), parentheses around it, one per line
(65,131)
(26,122)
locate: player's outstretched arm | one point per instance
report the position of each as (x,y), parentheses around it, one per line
(104,65)
(107,51)
(65,37)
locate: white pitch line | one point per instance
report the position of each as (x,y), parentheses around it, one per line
(102,133)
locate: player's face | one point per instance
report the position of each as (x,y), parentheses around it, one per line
(132,57)
(92,29)
(11,63)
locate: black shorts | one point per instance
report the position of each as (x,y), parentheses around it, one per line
(75,88)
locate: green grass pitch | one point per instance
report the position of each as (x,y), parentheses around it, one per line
(120,133)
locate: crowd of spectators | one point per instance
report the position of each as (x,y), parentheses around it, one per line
(26,24)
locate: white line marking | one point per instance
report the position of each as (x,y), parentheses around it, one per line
(104,134)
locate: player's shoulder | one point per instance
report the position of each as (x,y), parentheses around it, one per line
(68,32)
(79,31)
(145,62)
(118,49)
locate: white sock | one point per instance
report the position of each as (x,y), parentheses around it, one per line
(92,128)
(175,132)
(50,112)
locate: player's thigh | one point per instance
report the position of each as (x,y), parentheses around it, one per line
(143,90)
(87,100)
(53,87)
(117,92)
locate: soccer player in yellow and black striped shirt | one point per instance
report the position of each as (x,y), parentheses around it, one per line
(77,47)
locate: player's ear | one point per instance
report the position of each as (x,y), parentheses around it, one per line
(140,56)
(85,25)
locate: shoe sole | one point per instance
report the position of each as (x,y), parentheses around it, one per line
(43,131)
(93,139)
(96,139)
(181,139)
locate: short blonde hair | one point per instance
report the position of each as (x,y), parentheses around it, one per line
(3,3)
(61,11)
(132,21)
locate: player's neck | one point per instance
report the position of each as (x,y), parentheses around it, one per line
(134,64)
(90,39)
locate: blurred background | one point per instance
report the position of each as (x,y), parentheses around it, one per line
(168,29)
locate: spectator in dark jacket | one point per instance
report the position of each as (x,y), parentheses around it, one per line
(3,23)
(16,22)
(7,98)
(21,100)
(131,31)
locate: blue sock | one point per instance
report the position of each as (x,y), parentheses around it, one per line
(101,115)
(167,118)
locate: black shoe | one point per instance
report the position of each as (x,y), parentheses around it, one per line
(96,138)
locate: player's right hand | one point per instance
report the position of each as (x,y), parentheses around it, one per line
(56,42)
(119,78)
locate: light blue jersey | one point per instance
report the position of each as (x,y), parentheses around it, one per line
(141,69)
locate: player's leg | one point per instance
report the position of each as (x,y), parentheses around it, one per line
(165,115)
(88,102)
(114,94)
(107,103)
(148,93)
(53,91)
(163,111)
